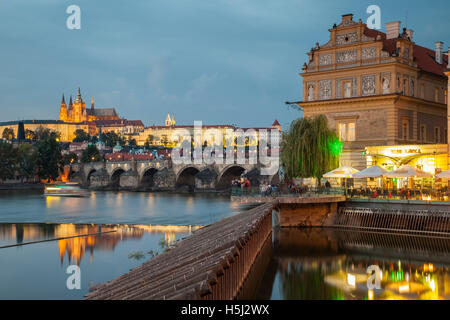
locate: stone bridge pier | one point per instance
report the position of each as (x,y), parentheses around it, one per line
(163,175)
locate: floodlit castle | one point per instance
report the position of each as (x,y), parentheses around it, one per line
(77,112)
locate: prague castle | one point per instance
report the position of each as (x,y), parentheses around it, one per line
(77,112)
(92,120)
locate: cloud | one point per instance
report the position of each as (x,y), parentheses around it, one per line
(200,85)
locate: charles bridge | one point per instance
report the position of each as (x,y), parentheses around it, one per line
(164,175)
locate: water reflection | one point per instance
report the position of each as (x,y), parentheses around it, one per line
(74,240)
(331,264)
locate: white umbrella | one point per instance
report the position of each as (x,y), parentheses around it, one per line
(444,174)
(407,171)
(341,172)
(371,172)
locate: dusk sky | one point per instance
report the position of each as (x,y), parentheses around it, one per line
(219,61)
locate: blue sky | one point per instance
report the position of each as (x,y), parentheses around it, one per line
(219,61)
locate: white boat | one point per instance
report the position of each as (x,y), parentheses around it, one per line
(65,190)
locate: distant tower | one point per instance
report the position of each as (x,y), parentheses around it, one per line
(69,114)
(276,125)
(21,132)
(92,104)
(63,110)
(78,95)
(173,120)
(168,121)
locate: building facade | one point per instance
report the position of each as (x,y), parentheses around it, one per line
(376,89)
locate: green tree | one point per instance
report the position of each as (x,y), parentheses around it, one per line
(132,142)
(91,154)
(49,158)
(8,161)
(111,138)
(310,148)
(8,134)
(81,136)
(26,160)
(69,158)
(43,134)
(30,135)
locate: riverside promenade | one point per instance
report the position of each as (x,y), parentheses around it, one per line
(213,263)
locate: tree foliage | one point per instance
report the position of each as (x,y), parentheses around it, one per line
(8,161)
(111,138)
(43,134)
(8,134)
(30,135)
(81,136)
(49,158)
(90,154)
(26,161)
(310,148)
(69,158)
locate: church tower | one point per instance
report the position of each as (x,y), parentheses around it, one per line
(70,111)
(63,110)
(168,121)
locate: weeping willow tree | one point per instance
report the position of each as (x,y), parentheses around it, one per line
(310,148)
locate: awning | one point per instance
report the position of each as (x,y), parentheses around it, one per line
(408,171)
(341,172)
(371,172)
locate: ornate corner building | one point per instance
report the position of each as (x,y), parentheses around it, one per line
(376,89)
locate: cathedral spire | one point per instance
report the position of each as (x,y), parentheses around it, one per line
(63,101)
(92,103)
(79,95)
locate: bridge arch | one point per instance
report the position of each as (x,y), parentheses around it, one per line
(115,177)
(186,178)
(89,175)
(147,176)
(227,175)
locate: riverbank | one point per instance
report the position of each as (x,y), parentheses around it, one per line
(21,186)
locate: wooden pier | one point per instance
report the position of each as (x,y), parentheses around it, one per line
(213,263)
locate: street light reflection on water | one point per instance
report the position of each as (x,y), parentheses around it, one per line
(333,264)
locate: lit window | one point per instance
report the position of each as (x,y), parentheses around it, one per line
(347,131)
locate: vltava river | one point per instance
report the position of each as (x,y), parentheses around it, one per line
(108,233)
(119,232)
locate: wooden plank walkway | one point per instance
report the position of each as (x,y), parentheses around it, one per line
(213,263)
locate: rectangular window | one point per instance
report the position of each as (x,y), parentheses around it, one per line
(405,129)
(437,136)
(445,136)
(422,133)
(342,131)
(436,94)
(347,131)
(351,131)
(347,88)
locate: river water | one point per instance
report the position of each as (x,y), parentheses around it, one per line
(108,233)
